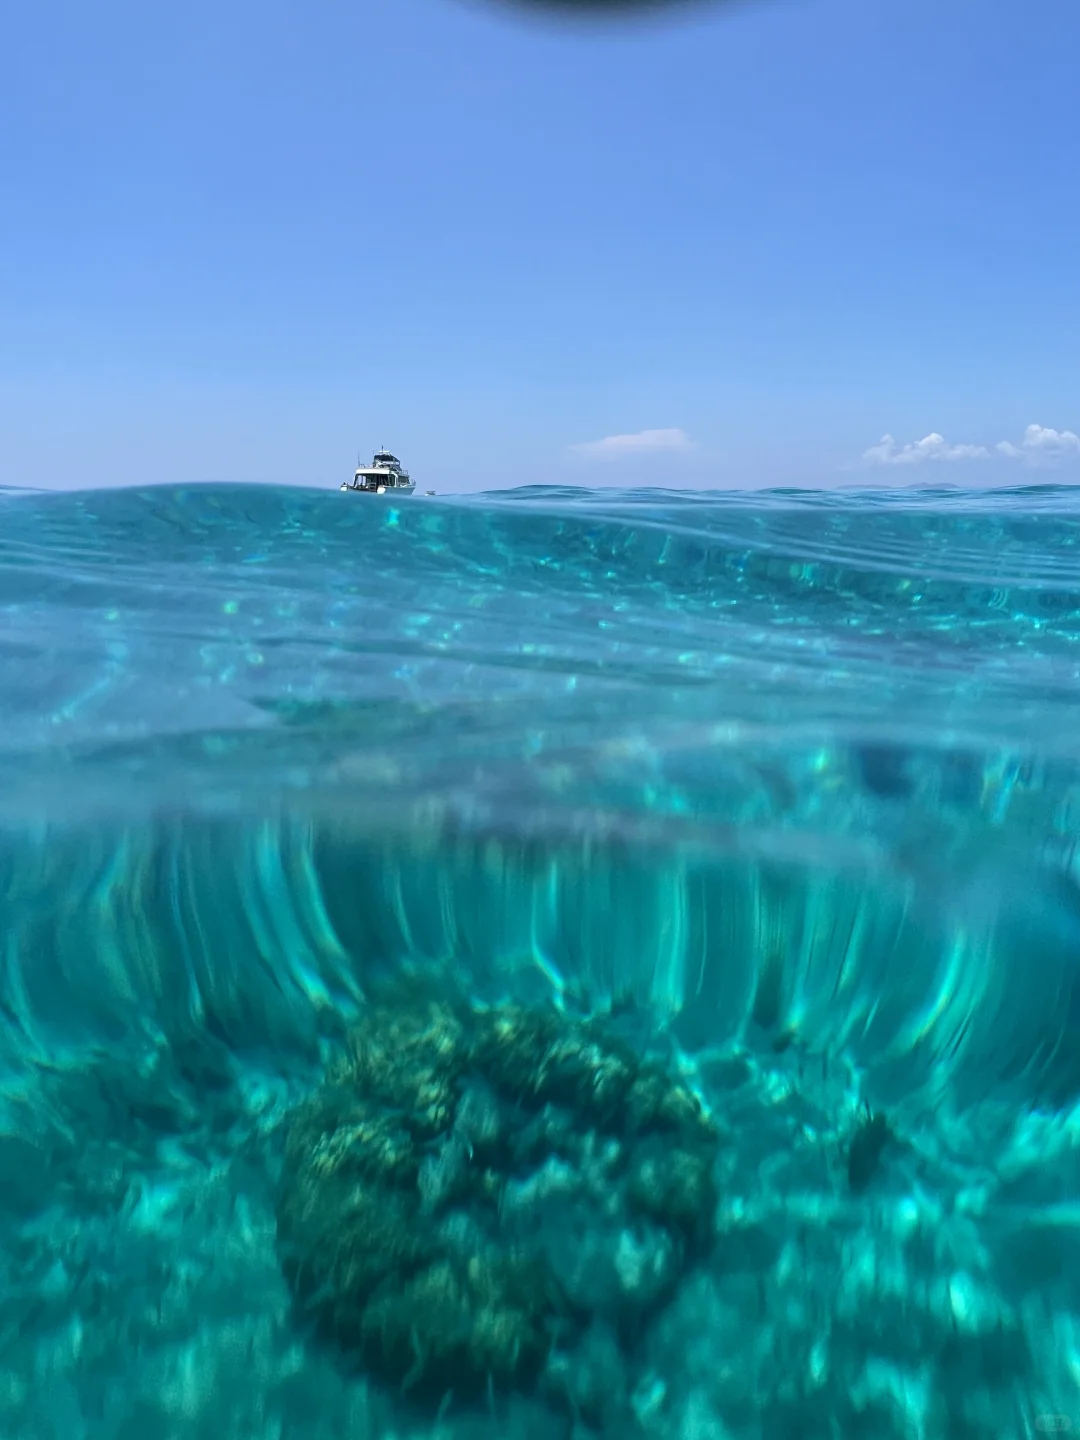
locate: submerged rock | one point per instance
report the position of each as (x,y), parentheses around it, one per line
(538,1056)
(866,1149)
(675,1186)
(471,1188)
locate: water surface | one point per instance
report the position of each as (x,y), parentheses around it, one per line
(790,778)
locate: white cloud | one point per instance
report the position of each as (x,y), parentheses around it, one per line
(1041,445)
(930,447)
(641,443)
(1041,440)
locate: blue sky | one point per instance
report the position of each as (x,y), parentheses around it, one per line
(243,240)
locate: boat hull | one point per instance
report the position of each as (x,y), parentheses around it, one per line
(384,490)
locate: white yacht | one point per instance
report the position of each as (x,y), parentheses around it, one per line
(380,477)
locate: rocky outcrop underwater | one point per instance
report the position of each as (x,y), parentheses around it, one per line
(474,1190)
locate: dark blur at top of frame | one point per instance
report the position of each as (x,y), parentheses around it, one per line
(598,11)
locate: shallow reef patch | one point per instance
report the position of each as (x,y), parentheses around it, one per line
(474,1190)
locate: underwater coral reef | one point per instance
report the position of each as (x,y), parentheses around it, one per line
(474,1190)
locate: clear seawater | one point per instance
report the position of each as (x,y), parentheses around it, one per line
(793,777)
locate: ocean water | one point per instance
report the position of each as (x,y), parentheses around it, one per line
(693,882)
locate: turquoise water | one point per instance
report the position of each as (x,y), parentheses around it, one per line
(784,786)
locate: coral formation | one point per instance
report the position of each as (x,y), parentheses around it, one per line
(473,1190)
